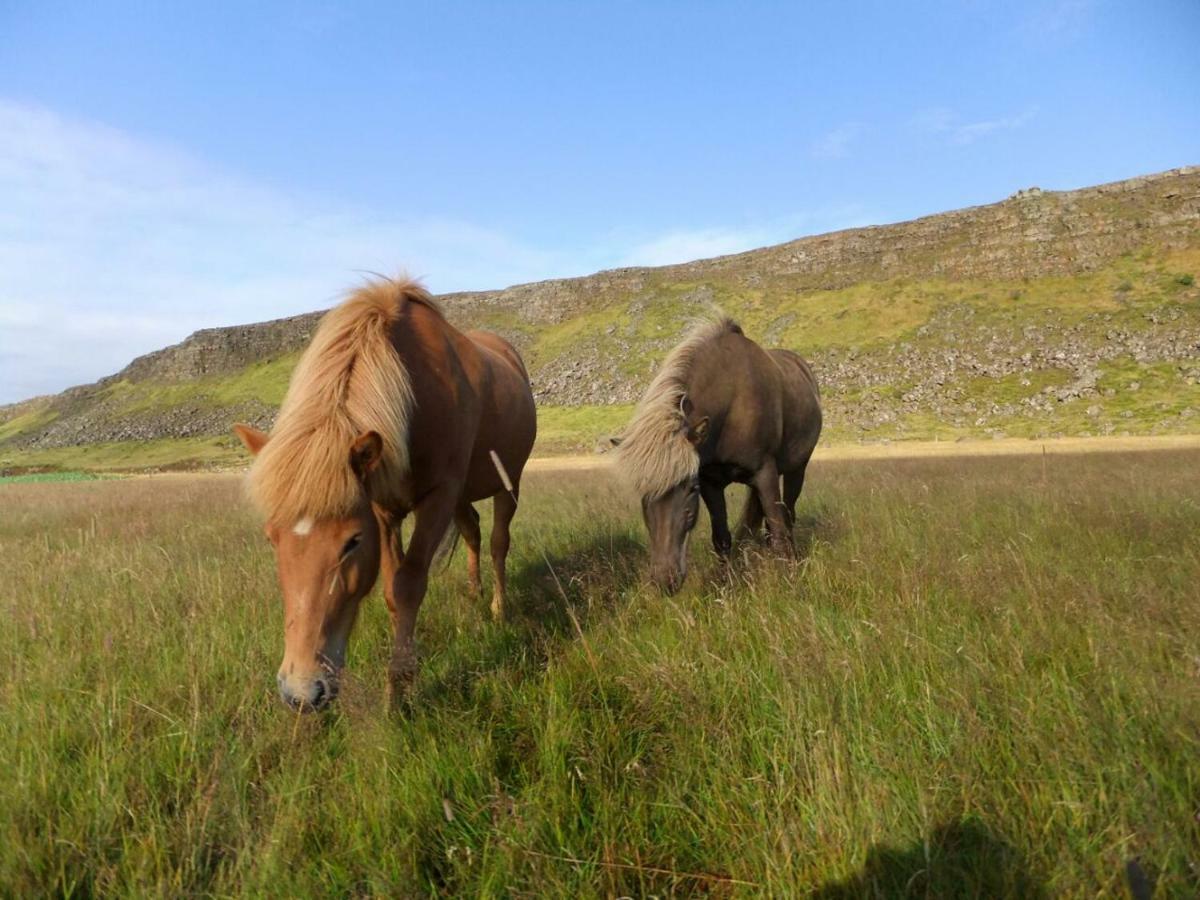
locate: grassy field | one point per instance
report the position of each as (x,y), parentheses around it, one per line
(982,680)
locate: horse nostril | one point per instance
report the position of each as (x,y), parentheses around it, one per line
(317,695)
(318,699)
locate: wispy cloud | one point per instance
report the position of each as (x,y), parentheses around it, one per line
(685,245)
(835,144)
(955,130)
(1057,20)
(112,246)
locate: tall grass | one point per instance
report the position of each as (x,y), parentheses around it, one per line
(983,679)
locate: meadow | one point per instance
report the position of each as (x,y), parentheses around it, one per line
(981,679)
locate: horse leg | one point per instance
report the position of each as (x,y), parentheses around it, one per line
(793,484)
(752,517)
(467,520)
(391,554)
(504,507)
(766,485)
(434,516)
(713,495)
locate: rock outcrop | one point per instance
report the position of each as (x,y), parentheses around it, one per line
(1035,234)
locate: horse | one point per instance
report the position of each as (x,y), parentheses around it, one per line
(391,411)
(720,410)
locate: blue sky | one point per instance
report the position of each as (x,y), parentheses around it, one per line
(165,168)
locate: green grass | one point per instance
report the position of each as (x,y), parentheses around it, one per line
(35,418)
(981,681)
(578,428)
(264,382)
(1016,387)
(126,456)
(38,477)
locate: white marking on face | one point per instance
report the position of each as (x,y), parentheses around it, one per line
(303,527)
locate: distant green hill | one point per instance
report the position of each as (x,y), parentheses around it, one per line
(1049,313)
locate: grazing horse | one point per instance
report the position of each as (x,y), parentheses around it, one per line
(721,409)
(391,411)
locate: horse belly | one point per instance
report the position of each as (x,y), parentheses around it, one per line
(507,428)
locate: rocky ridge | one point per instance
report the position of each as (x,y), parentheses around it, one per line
(869,384)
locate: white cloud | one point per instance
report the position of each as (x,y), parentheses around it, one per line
(971,131)
(111,247)
(685,246)
(945,123)
(1058,21)
(836,143)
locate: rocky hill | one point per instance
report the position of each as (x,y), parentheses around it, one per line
(1049,312)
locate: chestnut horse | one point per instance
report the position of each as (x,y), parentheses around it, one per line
(720,410)
(391,411)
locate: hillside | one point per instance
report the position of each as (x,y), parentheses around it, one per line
(1071,312)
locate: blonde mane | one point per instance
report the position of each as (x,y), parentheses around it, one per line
(350,380)
(655,453)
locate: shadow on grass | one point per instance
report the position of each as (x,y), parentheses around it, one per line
(587,581)
(958,859)
(812,527)
(552,598)
(554,595)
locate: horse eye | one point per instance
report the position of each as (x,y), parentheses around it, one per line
(352,544)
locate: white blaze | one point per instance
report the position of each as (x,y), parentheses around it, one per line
(303,527)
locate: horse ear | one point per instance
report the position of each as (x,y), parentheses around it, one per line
(365,453)
(251,437)
(698,432)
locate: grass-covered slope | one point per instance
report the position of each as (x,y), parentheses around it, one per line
(1048,314)
(981,682)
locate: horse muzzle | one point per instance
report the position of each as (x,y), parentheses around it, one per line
(309,694)
(669,580)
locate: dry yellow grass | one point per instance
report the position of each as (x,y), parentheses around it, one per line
(928,450)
